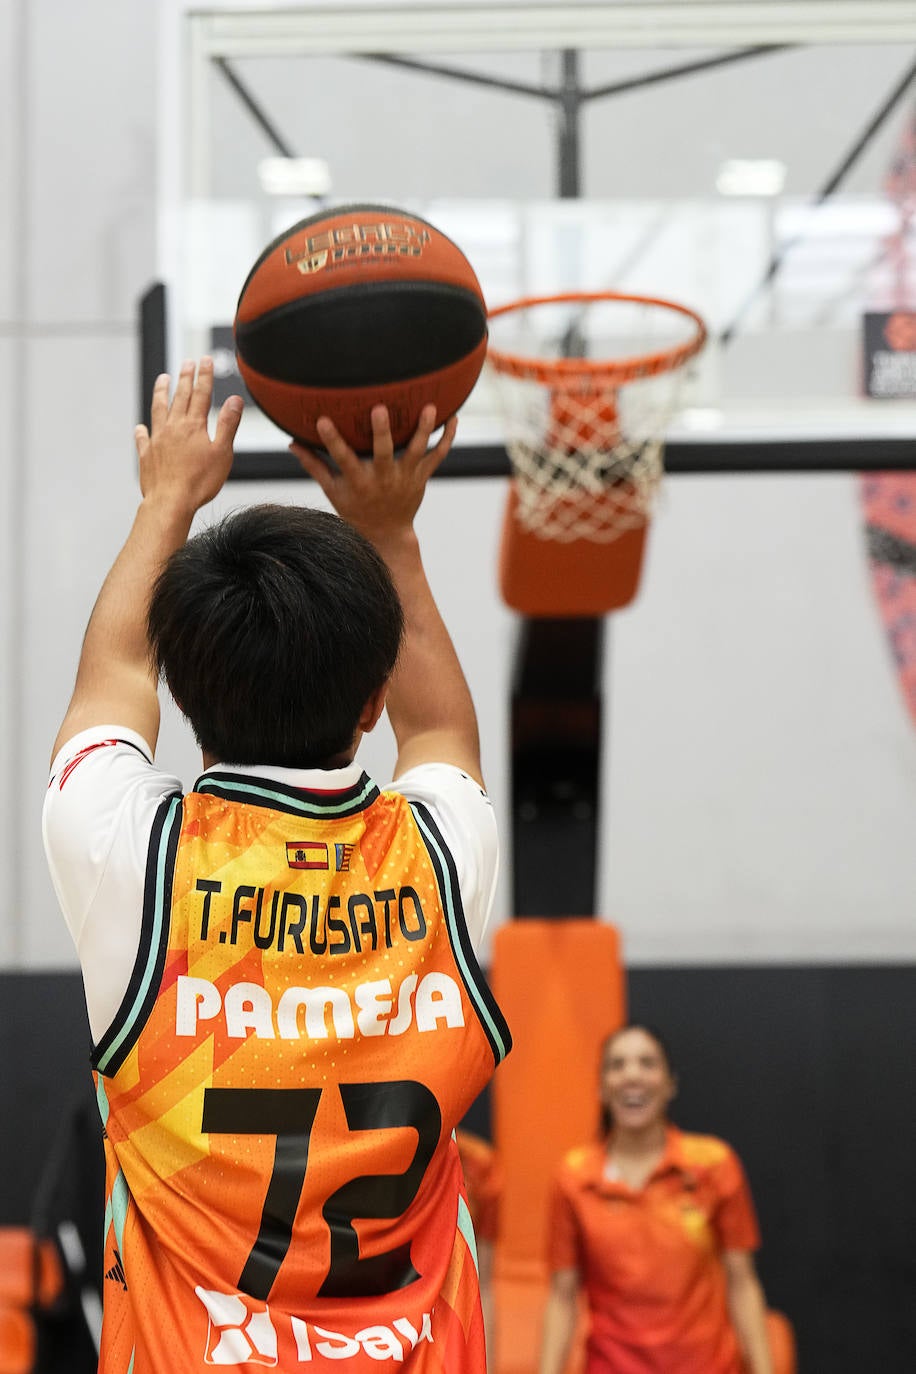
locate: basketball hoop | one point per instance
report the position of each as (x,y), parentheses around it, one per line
(585,405)
(585,434)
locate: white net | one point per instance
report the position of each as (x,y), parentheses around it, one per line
(587,451)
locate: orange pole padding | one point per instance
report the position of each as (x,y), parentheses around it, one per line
(31,1274)
(560,984)
(17,1341)
(541,576)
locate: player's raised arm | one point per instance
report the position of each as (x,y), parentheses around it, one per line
(181,469)
(429,703)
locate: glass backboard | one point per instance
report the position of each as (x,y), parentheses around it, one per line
(769,186)
(824,348)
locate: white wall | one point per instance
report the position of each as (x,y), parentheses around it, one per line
(77,202)
(761,778)
(761,763)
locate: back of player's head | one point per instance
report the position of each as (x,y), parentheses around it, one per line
(272,630)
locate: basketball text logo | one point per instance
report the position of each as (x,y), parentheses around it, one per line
(389,238)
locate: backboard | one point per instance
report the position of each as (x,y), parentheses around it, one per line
(769,185)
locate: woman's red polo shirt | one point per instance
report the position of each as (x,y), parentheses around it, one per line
(650,1260)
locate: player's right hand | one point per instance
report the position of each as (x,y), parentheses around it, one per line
(379,496)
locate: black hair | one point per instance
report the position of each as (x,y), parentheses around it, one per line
(272,629)
(605,1118)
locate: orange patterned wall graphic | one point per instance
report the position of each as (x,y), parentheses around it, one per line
(889,505)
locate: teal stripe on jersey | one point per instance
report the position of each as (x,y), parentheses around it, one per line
(101,1098)
(286,802)
(116,1207)
(466,1227)
(159,916)
(120,1200)
(470,976)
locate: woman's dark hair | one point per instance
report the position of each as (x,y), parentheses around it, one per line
(605,1119)
(272,629)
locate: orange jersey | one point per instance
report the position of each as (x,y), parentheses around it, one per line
(306,1026)
(650,1260)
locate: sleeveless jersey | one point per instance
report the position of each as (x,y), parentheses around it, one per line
(305,1027)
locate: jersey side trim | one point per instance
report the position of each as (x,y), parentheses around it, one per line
(138,1001)
(466,1227)
(488,1012)
(292,800)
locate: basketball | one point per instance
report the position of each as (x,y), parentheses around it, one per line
(354,307)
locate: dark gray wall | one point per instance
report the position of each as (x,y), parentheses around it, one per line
(810,1074)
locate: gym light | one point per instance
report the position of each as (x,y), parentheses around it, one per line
(746,177)
(294,176)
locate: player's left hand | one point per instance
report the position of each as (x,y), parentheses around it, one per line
(179,463)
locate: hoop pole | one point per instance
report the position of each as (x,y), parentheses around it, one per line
(568,151)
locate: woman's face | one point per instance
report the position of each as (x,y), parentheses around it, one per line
(636,1082)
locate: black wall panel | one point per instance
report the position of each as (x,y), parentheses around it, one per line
(811,1074)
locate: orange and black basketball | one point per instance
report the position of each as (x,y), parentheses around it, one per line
(358,306)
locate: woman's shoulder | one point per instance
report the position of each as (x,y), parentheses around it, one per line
(582,1162)
(704,1151)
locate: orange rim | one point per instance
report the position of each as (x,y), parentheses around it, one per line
(608,372)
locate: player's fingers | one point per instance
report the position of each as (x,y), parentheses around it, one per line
(202,390)
(337,446)
(419,440)
(314,466)
(159,406)
(382,442)
(141,440)
(228,420)
(435,455)
(426,425)
(183,387)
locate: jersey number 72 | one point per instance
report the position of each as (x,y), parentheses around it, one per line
(289,1114)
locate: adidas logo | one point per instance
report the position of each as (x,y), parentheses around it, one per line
(116,1272)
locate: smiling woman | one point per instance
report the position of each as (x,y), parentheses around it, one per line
(658,1227)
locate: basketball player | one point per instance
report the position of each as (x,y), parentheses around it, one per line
(287,1013)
